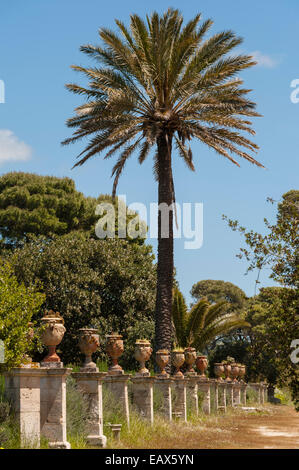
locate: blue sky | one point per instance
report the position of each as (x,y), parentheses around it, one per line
(39,40)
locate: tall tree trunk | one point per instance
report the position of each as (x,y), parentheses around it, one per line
(163,318)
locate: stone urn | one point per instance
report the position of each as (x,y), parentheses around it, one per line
(235,372)
(227,372)
(143,352)
(178,359)
(242,372)
(89,342)
(190,358)
(219,370)
(202,365)
(52,333)
(162,359)
(114,348)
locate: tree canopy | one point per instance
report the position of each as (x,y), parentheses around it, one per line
(216,291)
(108,284)
(18,304)
(36,205)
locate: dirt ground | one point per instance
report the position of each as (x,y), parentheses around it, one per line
(278,429)
(271,427)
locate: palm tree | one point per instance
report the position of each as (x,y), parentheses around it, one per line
(203,323)
(158,85)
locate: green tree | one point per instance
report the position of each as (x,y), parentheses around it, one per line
(33,205)
(203,323)
(216,291)
(156,86)
(108,284)
(273,315)
(279,248)
(18,304)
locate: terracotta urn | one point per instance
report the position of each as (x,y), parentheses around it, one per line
(242,372)
(235,372)
(89,342)
(143,352)
(114,348)
(178,359)
(52,333)
(227,372)
(219,370)
(202,364)
(190,358)
(162,359)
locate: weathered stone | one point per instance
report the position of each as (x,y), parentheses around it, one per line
(237,393)
(179,402)
(118,387)
(143,396)
(53,406)
(164,385)
(204,385)
(192,392)
(243,393)
(22,388)
(230,393)
(90,384)
(221,402)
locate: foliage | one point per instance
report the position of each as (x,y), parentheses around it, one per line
(216,291)
(18,304)
(157,85)
(107,284)
(279,248)
(203,323)
(34,205)
(273,315)
(76,411)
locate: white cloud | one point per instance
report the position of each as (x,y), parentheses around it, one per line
(12,149)
(264,60)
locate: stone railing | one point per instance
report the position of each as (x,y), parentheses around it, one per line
(38,391)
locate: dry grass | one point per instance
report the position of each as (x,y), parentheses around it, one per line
(269,427)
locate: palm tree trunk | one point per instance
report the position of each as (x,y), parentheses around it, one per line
(163,320)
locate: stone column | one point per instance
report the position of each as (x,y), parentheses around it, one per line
(256,387)
(266,392)
(179,403)
(243,393)
(221,405)
(204,386)
(53,404)
(192,392)
(262,393)
(117,385)
(143,396)
(230,393)
(237,393)
(214,387)
(163,384)
(22,388)
(90,384)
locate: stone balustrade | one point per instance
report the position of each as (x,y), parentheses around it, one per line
(38,391)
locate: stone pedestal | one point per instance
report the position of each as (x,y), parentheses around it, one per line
(237,393)
(22,388)
(143,396)
(192,392)
(221,405)
(265,392)
(117,385)
(257,388)
(214,388)
(90,384)
(179,402)
(163,384)
(53,404)
(230,393)
(243,393)
(204,386)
